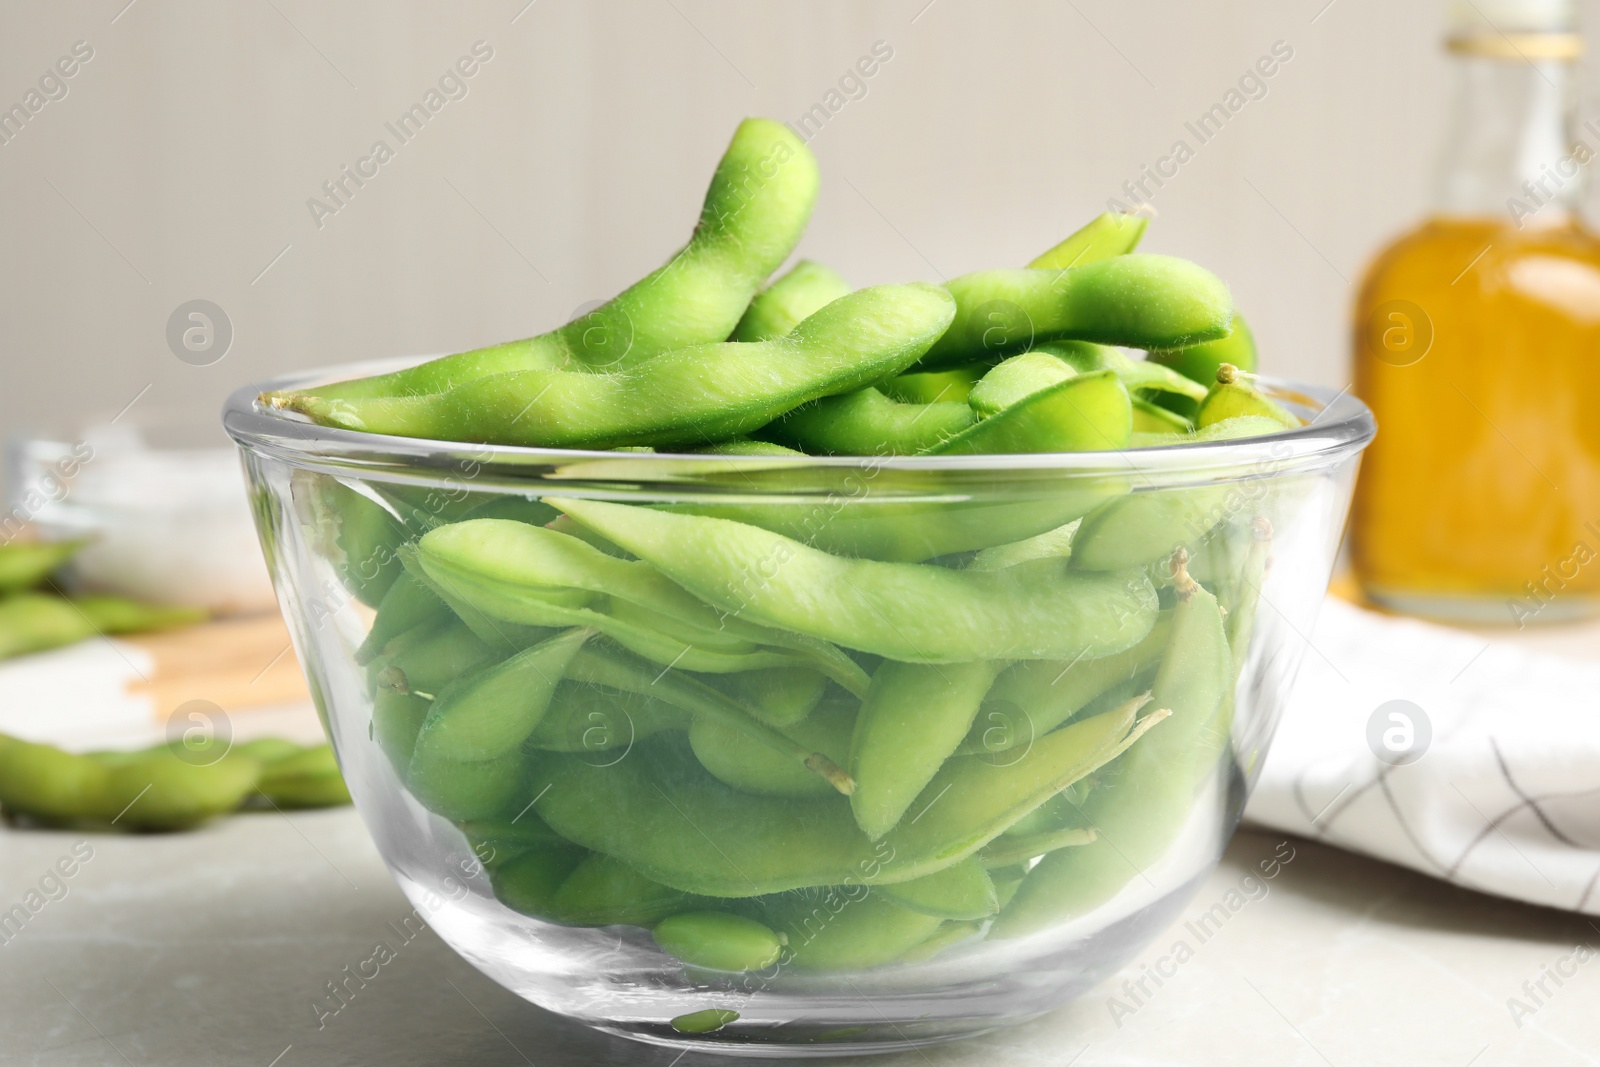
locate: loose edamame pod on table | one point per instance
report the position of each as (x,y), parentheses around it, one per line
(758,205)
(25,564)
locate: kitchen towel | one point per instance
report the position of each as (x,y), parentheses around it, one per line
(1465,756)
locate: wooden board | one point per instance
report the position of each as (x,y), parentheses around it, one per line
(237,664)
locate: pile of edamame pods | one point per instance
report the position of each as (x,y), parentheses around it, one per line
(171,786)
(834,742)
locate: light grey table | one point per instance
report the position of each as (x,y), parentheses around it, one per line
(209,948)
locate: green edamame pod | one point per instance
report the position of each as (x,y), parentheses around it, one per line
(591,718)
(1032,698)
(735,757)
(1142,377)
(1015,378)
(35,622)
(1136,301)
(1052,544)
(604,891)
(1145,798)
(705,1021)
(946,936)
(846,929)
(868,423)
(1010,849)
(116,615)
(308,779)
(527,882)
(806,289)
(718,941)
(1233,397)
(685,397)
(163,791)
(25,564)
(496,842)
(1111,234)
(1152,418)
(1083,413)
(770,844)
(396,719)
(744,446)
(427,658)
(408,603)
(488,713)
(1200,362)
(269,751)
(758,205)
(616,670)
(902,611)
(961,891)
(46,783)
(462,790)
(936,386)
(778,696)
(912,720)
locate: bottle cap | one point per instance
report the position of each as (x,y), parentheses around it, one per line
(1514,29)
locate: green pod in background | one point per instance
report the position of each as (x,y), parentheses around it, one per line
(461,790)
(34,622)
(718,941)
(1111,234)
(1151,418)
(161,790)
(46,783)
(961,891)
(25,564)
(604,891)
(736,758)
(807,288)
(845,928)
(307,779)
(913,718)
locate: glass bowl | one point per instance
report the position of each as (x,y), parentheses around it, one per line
(603,744)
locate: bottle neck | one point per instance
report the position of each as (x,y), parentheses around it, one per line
(1509,151)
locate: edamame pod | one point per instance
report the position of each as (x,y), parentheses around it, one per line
(686,397)
(34,622)
(758,205)
(604,891)
(408,603)
(25,564)
(44,782)
(308,779)
(932,387)
(163,791)
(462,790)
(1015,378)
(1200,362)
(1233,397)
(396,719)
(960,891)
(718,941)
(429,657)
(1154,419)
(1010,849)
(769,845)
(807,288)
(488,713)
(1083,413)
(591,718)
(846,929)
(912,720)
(778,696)
(902,611)
(1111,234)
(735,757)
(1142,377)
(868,423)
(528,881)
(1137,301)
(946,936)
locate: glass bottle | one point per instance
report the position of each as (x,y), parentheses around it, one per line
(1477,344)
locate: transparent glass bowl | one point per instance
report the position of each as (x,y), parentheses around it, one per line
(619,749)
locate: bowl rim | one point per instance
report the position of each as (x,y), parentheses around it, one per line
(1339,426)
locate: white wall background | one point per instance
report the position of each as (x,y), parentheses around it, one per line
(179,164)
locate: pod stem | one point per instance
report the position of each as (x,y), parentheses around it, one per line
(1228,374)
(1185,585)
(835,775)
